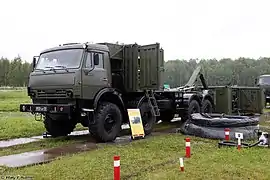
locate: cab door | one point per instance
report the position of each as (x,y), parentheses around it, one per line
(94,75)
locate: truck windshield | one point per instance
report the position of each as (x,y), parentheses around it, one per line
(69,58)
(264,80)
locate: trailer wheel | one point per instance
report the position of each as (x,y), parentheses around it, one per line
(108,119)
(58,125)
(207,106)
(148,118)
(194,107)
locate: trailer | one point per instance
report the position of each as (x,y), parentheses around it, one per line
(95,84)
(263,81)
(238,100)
(229,100)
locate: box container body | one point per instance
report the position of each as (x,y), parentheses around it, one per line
(142,67)
(231,100)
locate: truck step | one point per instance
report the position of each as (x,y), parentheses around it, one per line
(152,102)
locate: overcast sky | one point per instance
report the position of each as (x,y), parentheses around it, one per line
(185,28)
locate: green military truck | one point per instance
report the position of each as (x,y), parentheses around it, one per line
(95,84)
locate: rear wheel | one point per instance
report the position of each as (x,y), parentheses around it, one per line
(148,118)
(58,125)
(207,106)
(107,122)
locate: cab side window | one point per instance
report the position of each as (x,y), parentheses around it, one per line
(98,60)
(89,60)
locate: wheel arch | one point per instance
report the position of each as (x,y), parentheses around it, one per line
(195,97)
(110,95)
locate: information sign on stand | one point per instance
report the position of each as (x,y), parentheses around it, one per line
(135,121)
(239,136)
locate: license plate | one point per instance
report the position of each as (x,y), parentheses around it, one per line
(39,108)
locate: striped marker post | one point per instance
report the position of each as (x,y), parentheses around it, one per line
(188,147)
(116,167)
(239,144)
(227,134)
(181,164)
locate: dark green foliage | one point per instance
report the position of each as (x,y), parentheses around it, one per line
(242,71)
(14,72)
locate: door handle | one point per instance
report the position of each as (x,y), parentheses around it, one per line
(87,72)
(104,79)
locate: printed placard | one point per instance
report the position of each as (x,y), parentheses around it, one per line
(135,121)
(239,135)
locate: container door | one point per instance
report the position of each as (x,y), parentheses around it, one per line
(150,66)
(161,69)
(251,100)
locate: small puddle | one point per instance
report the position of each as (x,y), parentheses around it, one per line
(13,142)
(18,141)
(47,155)
(43,156)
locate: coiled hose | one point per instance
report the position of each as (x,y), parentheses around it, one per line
(231,143)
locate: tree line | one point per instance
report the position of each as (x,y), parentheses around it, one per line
(14,72)
(242,71)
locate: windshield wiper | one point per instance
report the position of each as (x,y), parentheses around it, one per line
(51,68)
(64,67)
(40,70)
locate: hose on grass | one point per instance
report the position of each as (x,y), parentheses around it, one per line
(231,143)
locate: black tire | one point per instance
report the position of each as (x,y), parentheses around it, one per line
(148,118)
(106,111)
(207,106)
(194,107)
(166,116)
(58,125)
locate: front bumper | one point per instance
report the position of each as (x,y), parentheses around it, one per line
(47,108)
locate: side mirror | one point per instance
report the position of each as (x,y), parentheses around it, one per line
(34,62)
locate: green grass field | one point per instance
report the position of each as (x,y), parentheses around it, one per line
(156,158)
(11,99)
(15,124)
(152,158)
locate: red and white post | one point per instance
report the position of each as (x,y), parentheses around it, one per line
(181,164)
(239,144)
(116,167)
(188,147)
(239,136)
(227,134)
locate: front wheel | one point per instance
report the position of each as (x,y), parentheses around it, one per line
(58,125)
(107,122)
